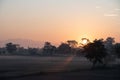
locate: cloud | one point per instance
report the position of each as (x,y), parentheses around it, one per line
(111,15)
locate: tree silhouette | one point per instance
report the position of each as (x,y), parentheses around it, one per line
(32,51)
(117,49)
(95,51)
(48,48)
(11,47)
(109,45)
(64,48)
(72,43)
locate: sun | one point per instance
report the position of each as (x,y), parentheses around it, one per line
(85,41)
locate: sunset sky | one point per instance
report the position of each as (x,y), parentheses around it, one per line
(59,20)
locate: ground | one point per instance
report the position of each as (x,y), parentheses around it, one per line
(54,68)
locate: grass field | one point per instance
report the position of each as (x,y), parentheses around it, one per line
(53,68)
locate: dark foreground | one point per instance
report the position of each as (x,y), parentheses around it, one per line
(54,68)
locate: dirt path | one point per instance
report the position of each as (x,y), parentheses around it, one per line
(62,66)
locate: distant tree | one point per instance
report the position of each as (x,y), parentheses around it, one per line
(22,51)
(95,51)
(109,45)
(49,49)
(64,48)
(11,48)
(110,40)
(72,43)
(32,51)
(53,50)
(0,51)
(117,49)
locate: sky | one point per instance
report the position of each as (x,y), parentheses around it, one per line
(59,20)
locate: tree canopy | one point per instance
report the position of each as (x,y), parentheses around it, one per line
(95,51)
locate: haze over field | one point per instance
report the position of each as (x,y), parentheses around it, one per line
(59,20)
(23,43)
(59,39)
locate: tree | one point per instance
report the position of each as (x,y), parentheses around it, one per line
(64,48)
(48,48)
(117,49)
(72,43)
(11,48)
(109,45)
(95,51)
(32,51)
(23,51)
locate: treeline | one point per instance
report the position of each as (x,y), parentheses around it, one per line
(48,49)
(70,47)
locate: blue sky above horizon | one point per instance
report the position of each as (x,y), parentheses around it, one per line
(59,20)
